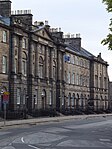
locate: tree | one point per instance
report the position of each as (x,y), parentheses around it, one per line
(108,39)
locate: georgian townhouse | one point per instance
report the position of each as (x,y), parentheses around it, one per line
(41,69)
(4,57)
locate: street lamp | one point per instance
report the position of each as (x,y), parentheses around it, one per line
(43,101)
(34,97)
(43,94)
(26,101)
(1,99)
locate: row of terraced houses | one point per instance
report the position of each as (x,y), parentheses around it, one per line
(42,68)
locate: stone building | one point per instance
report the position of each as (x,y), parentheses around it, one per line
(46,69)
(110,96)
(85,77)
(4,56)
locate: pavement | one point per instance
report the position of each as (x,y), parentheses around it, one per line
(48,119)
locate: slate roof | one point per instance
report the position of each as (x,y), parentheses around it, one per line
(5,21)
(37,28)
(80,52)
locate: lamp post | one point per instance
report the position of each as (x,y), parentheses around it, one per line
(43,102)
(34,98)
(26,101)
(1,102)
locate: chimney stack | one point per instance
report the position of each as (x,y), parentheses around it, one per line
(75,41)
(5,8)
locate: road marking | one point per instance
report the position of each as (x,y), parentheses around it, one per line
(105,140)
(22,140)
(33,146)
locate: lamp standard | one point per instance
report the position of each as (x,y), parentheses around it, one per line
(1,102)
(34,98)
(26,101)
(43,100)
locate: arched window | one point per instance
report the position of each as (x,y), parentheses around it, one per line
(81,101)
(77,101)
(73,100)
(41,67)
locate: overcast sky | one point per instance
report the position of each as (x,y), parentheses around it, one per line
(87,17)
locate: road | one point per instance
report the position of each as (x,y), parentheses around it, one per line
(94,133)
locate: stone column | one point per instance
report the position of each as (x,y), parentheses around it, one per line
(51,69)
(37,60)
(13,54)
(63,67)
(46,62)
(31,59)
(59,66)
(20,56)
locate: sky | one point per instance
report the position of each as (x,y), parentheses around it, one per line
(87,17)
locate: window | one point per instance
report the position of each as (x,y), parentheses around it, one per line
(4,64)
(73,78)
(76,60)
(100,82)
(66,77)
(54,70)
(24,43)
(24,64)
(43,49)
(18,95)
(15,65)
(77,79)
(24,96)
(105,83)
(40,48)
(69,79)
(81,80)
(24,68)
(72,59)
(73,100)
(96,81)
(4,36)
(41,66)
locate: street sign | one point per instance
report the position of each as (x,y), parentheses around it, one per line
(5,97)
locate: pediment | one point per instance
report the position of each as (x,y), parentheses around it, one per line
(43,33)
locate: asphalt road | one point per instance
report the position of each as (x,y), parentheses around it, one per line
(94,133)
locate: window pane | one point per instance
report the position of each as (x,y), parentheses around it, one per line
(4,64)
(18,95)
(24,68)
(24,43)
(4,36)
